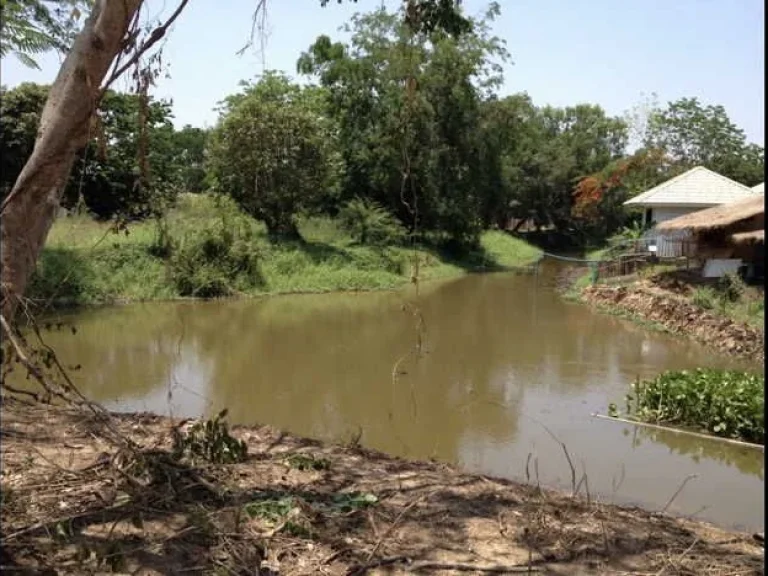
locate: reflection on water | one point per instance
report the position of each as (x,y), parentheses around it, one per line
(742,458)
(502,358)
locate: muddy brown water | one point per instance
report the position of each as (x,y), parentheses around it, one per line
(505,365)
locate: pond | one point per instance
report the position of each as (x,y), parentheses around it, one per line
(489,372)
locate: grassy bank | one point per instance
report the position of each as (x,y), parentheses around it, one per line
(255,500)
(204,248)
(728,297)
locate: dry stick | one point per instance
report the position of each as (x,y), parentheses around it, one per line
(527,470)
(686,551)
(367,565)
(31,368)
(458,566)
(399,517)
(677,492)
(567,455)
(681,431)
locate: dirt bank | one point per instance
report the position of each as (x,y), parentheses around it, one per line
(73,505)
(667,303)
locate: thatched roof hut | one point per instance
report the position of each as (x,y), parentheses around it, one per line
(747,238)
(750,212)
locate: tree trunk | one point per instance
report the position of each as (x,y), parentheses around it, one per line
(31,206)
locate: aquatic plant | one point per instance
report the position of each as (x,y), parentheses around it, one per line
(727,403)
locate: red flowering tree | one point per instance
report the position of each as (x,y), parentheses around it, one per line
(599,198)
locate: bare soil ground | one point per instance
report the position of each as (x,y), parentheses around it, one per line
(73,504)
(666,300)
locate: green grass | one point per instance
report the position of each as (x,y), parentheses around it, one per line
(747,307)
(212,249)
(597,253)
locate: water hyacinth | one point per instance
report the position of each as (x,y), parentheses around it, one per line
(727,403)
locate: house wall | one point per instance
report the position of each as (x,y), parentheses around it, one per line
(668,244)
(661,214)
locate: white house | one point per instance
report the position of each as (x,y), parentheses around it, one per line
(691,191)
(760,188)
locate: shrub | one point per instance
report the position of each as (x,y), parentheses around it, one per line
(62,274)
(209,441)
(217,259)
(161,245)
(370,223)
(728,403)
(704,298)
(731,288)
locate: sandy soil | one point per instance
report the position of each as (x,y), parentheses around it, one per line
(665,300)
(73,503)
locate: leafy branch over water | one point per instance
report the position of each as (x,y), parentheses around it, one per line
(726,403)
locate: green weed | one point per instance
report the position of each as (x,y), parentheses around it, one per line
(370,223)
(305,462)
(210,441)
(705,298)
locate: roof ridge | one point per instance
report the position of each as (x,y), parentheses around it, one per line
(648,195)
(722,177)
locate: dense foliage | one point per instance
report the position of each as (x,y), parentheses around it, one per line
(398,129)
(274,152)
(728,403)
(107,179)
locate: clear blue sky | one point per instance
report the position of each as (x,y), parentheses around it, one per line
(609,52)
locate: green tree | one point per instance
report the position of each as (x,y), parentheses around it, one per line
(273,151)
(122,171)
(106,175)
(404,100)
(562,146)
(20,110)
(189,152)
(693,134)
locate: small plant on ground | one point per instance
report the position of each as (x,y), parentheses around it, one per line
(210,441)
(306,462)
(705,298)
(370,223)
(727,403)
(731,288)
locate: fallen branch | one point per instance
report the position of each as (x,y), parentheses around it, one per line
(458,566)
(680,489)
(392,526)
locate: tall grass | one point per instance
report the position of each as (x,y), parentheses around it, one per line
(207,247)
(732,298)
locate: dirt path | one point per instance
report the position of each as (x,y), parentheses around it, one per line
(669,305)
(72,505)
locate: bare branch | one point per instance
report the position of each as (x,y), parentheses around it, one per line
(258,22)
(154,37)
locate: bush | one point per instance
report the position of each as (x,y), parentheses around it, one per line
(728,403)
(370,223)
(62,274)
(731,288)
(704,298)
(219,258)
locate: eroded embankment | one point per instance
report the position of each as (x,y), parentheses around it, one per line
(73,504)
(677,314)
